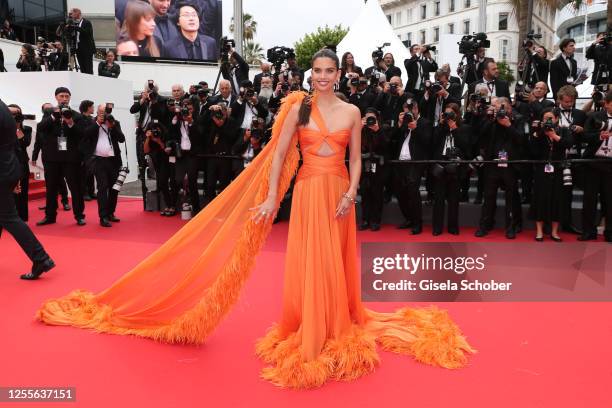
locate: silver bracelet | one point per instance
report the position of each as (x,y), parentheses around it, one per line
(351,199)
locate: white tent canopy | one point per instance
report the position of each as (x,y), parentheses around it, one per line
(370,30)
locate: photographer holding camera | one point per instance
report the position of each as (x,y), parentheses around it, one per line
(597,132)
(85,45)
(151,106)
(418,67)
(601,54)
(451,141)
(58,61)
(24,138)
(564,68)
(375,151)
(247,106)
(360,94)
(389,102)
(549,142)
(412,140)
(220,138)
(250,144)
(500,142)
(62,157)
(100,147)
(235,70)
(437,95)
(186,141)
(156,136)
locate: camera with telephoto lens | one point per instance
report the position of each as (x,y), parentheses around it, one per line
(567,174)
(501,113)
(470,44)
(436,87)
(183,113)
(277,55)
(247,92)
(407,119)
(393,89)
(175,148)
(599,93)
(371,121)
(121,178)
(156,131)
(218,114)
(354,82)
(284,87)
(548,124)
(528,42)
(152,94)
(378,54)
(226,46)
(449,115)
(429,48)
(374,79)
(202,92)
(66,112)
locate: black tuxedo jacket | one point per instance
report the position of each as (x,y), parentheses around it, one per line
(421,140)
(590,136)
(239,110)
(412,68)
(86,45)
(559,71)
(462,139)
(159,111)
(241,71)
(51,129)
(90,140)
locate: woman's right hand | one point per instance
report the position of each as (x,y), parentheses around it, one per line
(264,211)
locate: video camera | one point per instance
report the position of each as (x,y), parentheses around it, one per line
(470,44)
(378,53)
(278,55)
(226,46)
(528,42)
(599,93)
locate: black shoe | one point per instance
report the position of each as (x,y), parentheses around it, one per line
(112,218)
(105,223)
(481,233)
(417,230)
(46,221)
(435,233)
(518,228)
(571,229)
(510,233)
(539,239)
(87,198)
(587,237)
(363,226)
(375,227)
(453,231)
(66,206)
(404,225)
(38,268)
(81,222)
(93,196)
(608,238)
(556,239)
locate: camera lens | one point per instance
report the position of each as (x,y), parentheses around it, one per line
(370,121)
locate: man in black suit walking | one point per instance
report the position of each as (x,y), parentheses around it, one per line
(85,44)
(564,68)
(497,87)
(190,44)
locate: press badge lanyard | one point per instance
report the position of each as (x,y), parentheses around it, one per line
(62,140)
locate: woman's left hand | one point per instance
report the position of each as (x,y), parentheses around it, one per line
(344,207)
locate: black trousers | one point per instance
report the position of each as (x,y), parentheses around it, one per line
(106,170)
(526,173)
(219,170)
(446,190)
(371,188)
(17,228)
(21,199)
(408,183)
(597,181)
(55,172)
(165,181)
(494,178)
(85,62)
(87,181)
(189,165)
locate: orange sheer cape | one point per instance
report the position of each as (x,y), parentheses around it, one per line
(180,293)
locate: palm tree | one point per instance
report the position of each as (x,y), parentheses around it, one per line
(249,24)
(253,53)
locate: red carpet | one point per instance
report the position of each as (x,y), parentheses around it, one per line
(530,354)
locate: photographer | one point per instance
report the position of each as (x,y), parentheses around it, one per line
(10,174)
(185,143)
(85,45)
(109,68)
(86,108)
(476,116)
(27,60)
(236,70)
(151,106)
(389,102)
(596,134)
(601,54)
(266,71)
(203,104)
(475,71)
(375,151)
(250,144)
(451,141)
(438,95)
(574,120)
(360,94)
(225,95)
(539,66)
(265,90)
(490,77)
(62,158)
(412,140)
(221,137)
(418,67)
(58,61)
(247,107)
(564,68)
(549,142)
(392,70)
(348,67)
(100,147)
(501,143)
(155,147)
(282,89)
(24,138)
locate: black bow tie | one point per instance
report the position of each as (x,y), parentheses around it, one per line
(566,111)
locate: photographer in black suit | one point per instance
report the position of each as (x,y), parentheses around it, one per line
(412,140)
(389,102)
(601,54)
(151,106)
(62,158)
(59,59)
(235,70)
(24,138)
(360,93)
(266,70)
(247,106)
(497,87)
(10,174)
(418,66)
(85,45)
(100,148)
(564,68)
(438,95)
(597,135)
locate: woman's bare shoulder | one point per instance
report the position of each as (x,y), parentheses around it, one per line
(347,108)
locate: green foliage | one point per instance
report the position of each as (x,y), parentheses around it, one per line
(505,72)
(306,47)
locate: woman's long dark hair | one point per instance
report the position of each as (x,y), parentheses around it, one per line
(306,107)
(344,64)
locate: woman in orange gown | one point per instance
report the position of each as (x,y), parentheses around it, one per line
(180,293)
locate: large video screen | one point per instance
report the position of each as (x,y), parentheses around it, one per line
(168,29)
